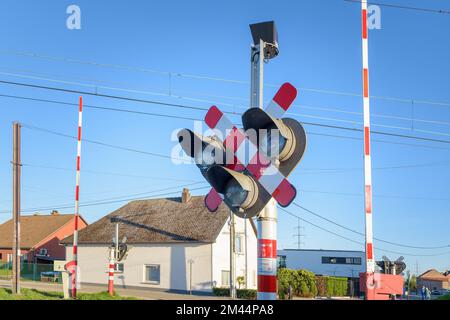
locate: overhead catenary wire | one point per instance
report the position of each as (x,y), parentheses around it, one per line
(131,197)
(203,77)
(397,6)
(359,242)
(58,102)
(144,113)
(104,173)
(362,234)
(114,146)
(171,95)
(228,112)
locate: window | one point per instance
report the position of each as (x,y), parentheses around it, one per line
(225,278)
(152,273)
(281,261)
(1,256)
(9,257)
(341,260)
(119,268)
(239,247)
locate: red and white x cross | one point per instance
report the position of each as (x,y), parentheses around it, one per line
(255,161)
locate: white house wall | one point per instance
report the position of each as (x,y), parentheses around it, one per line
(172,259)
(221,254)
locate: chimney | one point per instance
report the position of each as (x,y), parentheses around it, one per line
(185,195)
(55,213)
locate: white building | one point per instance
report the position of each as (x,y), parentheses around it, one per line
(173,243)
(339,263)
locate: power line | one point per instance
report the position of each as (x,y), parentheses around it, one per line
(407,166)
(101,95)
(358,242)
(204,109)
(103,172)
(362,234)
(111,200)
(90,106)
(193,119)
(169,94)
(377,196)
(101,143)
(403,7)
(184,159)
(377,140)
(212,78)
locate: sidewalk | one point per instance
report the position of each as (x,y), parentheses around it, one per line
(144,294)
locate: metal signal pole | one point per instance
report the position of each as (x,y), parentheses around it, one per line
(232,256)
(267,219)
(16,208)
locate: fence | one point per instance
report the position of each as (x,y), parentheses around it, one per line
(31,272)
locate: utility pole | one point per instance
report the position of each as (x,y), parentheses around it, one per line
(299,234)
(116,256)
(246,255)
(232,256)
(16,208)
(191,262)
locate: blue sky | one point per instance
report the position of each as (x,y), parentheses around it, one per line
(320,48)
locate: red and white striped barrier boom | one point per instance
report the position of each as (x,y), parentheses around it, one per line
(77,198)
(276,108)
(370,263)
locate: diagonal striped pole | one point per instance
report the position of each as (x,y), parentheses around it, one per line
(77,198)
(370,263)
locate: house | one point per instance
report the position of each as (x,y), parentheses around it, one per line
(40,237)
(174,244)
(336,263)
(434,280)
(339,263)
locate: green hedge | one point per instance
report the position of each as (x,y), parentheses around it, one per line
(247,294)
(302,282)
(331,286)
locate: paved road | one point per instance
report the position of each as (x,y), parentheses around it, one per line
(145,294)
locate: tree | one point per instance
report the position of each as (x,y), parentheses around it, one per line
(413,283)
(240,281)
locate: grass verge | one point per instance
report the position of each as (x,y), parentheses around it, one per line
(33,294)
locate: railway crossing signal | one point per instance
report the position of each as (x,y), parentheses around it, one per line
(242,175)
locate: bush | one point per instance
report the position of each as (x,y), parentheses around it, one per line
(302,282)
(306,284)
(331,286)
(247,294)
(221,292)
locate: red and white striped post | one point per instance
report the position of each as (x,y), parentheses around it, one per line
(267,252)
(111,271)
(370,263)
(77,197)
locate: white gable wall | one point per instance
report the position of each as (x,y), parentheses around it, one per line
(221,254)
(172,260)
